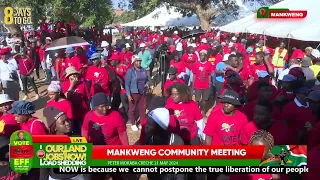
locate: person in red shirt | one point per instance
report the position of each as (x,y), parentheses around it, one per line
(83,61)
(73,60)
(313,163)
(314,100)
(23,111)
(262,64)
(189,58)
(104,126)
(179,65)
(8,124)
(56,99)
(244,72)
(26,67)
(60,65)
(204,45)
(260,137)
(299,117)
(223,127)
(98,77)
(187,113)
(76,91)
(202,71)
(263,112)
(172,73)
(126,55)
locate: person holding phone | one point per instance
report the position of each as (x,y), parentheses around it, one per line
(136,85)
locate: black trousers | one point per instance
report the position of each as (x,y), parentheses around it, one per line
(37,66)
(125,103)
(116,101)
(25,80)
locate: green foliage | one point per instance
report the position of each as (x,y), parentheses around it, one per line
(88,12)
(125,17)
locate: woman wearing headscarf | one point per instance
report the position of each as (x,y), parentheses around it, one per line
(104,126)
(9,79)
(136,85)
(57,100)
(58,124)
(8,124)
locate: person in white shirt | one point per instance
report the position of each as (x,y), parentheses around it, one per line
(179,47)
(292,64)
(8,75)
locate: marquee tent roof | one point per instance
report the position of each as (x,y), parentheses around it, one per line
(306,29)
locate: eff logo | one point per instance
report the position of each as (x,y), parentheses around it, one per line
(17,15)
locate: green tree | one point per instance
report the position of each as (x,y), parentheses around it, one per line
(125,17)
(87,12)
(206,10)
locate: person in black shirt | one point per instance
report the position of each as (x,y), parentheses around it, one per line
(5,171)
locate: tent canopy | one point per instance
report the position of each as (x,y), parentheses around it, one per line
(284,28)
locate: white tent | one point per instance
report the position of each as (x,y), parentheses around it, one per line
(308,33)
(163,16)
(281,27)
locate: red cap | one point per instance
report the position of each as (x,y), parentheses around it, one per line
(296,72)
(114,57)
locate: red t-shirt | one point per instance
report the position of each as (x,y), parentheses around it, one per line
(78,99)
(34,127)
(25,66)
(121,70)
(103,129)
(237,88)
(75,62)
(189,59)
(203,47)
(99,78)
(168,83)
(255,69)
(180,66)
(63,105)
(313,164)
(42,52)
(298,119)
(62,66)
(279,131)
(248,110)
(126,58)
(253,91)
(8,124)
(314,138)
(187,115)
(225,129)
(202,72)
(219,58)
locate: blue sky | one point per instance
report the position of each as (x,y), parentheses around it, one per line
(115,3)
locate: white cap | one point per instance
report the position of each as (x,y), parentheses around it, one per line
(225,57)
(175,32)
(233,38)
(231,44)
(135,58)
(104,44)
(161,116)
(192,45)
(48,38)
(127,45)
(315,53)
(142,45)
(4,98)
(223,43)
(204,40)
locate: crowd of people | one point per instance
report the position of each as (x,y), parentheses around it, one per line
(258,95)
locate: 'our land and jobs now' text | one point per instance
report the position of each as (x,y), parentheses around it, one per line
(185,170)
